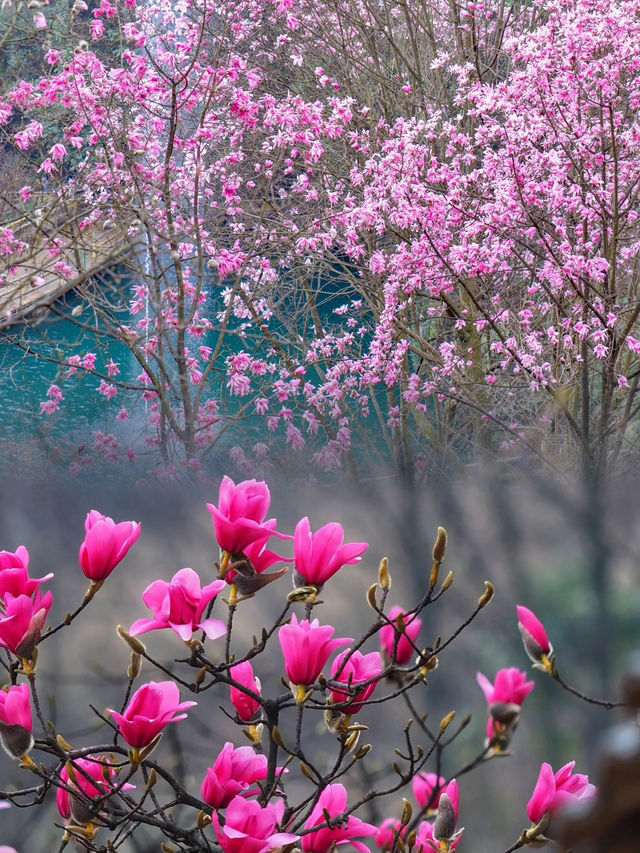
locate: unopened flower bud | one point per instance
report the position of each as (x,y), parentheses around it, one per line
(445,824)
(16,740)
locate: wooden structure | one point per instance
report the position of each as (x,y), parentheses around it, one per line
(33,278)
(611,824)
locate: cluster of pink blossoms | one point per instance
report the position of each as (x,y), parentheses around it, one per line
(234,786)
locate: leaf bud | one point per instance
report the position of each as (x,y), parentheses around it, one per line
(203,820)
(384,578)
(371,596)
(362,751)
(151,781)
(133,670)
(445,721)
(446,583)
(439,546)
(134,644)
(276,737)
(407,811)
(305,771)
(487,595)
(63,744)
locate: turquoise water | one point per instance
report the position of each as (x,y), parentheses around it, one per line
(28,365)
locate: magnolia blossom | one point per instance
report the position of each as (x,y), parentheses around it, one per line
(333,801)
(246,707)
(234,772)
(251,828)
(424,785)
(22,621)
(353,668)
(388,831)
(15,720)
(404,650)
(306,648)
(180,605)
(238,519)
(534,637)
(105,544)
(320,555)
(554,790)
(504,698)
(152,707)
(14,574)
(92,779)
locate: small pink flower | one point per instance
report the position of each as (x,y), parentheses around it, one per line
(15,720)
(404,650)
(553,791)
(424,785)
(14,575)
(250,828)
(180,605)
(105,544)
(239,517)
(93,779)
(22,622)
(234,772)
(246,706)
(389,830)
(306,648)
(321,554)
(333,800)
(504,698)
(358,668)
(152,707)
(534,637)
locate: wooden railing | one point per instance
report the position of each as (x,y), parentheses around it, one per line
(29,277)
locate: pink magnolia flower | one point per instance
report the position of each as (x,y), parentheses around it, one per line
(390,829)
(534,637)
(239,517)
(333,800)
(504,699)
(246,707)
(357,668)
(22,622)
(234,772)
(424,785)
(554,790)
(105,544)
(510,686)
(14,574)
(15,707)
(306,648)
(250,828)
(153,706)
(320,555)
(404,650)
(15,720)
(180,605)
(93,778)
